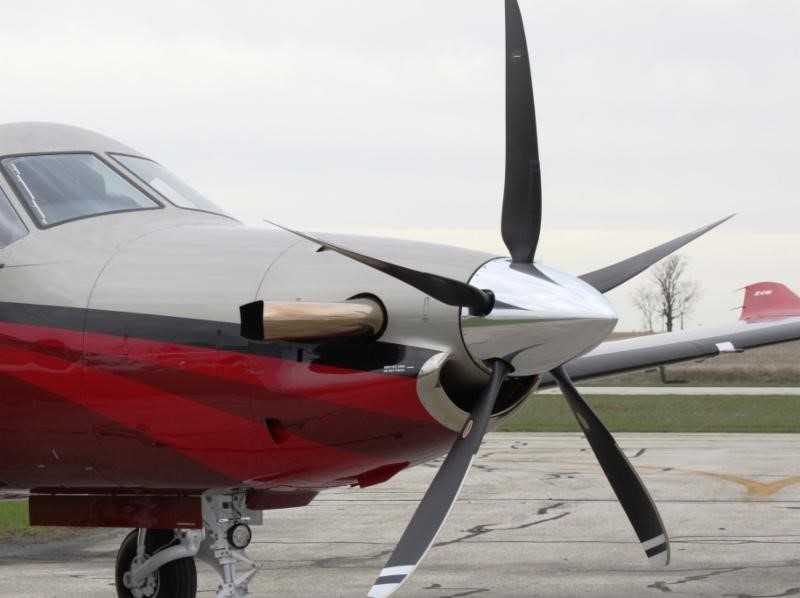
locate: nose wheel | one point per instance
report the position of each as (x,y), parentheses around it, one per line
(160,563)
(175,579)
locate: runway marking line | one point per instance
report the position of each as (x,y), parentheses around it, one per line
(755,490)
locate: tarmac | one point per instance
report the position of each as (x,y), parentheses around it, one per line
(535,518)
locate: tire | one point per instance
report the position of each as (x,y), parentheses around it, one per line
(177,579)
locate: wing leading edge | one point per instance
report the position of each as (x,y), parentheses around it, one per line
(616,357)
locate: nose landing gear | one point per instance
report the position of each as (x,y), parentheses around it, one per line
(226,521)
(159,563)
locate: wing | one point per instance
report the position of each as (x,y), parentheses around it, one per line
(770,315)
(614,357)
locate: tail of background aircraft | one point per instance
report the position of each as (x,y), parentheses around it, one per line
(769,300)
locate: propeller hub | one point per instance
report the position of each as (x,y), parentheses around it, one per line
(542,317)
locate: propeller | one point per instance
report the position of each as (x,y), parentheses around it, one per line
(525,294)
(442,493)
(441,288)
(614,275)
(627,485)
(521,222)
(522,197)
(435,506)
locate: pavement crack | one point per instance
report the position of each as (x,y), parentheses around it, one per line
(480,530)
(569,475)
(461,591)
(472,532)
(735,540)
(664,586)
(543,510)
(527,525)
(789,592)
(660,585)
(333,562)
(486,468)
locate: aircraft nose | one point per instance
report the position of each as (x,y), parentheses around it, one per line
(542,317)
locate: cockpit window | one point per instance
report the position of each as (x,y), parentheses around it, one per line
(167,184)
(11,227)
(57,188)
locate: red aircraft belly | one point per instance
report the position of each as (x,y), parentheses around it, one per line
(99,411)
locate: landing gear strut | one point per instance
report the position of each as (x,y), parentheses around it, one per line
(227,535)
(159,563)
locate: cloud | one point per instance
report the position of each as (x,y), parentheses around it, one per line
(654,118)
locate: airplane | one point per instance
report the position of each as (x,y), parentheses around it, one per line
(165,368)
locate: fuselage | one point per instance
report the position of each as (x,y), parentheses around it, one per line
(122,364)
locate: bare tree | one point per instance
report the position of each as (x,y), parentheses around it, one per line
(646,301)
(685,303)
(670,297)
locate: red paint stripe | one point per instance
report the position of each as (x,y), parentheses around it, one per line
(236,447)
(388,395)
(393,396)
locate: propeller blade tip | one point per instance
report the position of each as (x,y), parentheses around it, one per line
(728,217)
(659,561)
(389,580)
(657,551)
(383,590)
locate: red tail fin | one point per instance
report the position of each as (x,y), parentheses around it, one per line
(769,300)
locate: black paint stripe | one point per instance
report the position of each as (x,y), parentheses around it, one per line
(224,336)
(67,318)
(390,579)
(656,550)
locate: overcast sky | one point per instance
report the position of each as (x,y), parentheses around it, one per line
(388,117)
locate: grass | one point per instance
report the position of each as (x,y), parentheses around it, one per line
(725,413)
(694,375)
(15,524)
(13,517)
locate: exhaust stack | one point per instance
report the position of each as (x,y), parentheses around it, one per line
(299,321)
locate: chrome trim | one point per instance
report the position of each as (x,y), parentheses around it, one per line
(434,398)
(441,407)
(542,317)
(299,320)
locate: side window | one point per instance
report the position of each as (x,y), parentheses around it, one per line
(11,227)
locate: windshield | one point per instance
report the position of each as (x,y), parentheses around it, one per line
(167,184)
(57,188)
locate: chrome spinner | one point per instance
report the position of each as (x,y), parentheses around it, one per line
(542,317)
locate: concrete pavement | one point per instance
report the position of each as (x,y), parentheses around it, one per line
(536,518)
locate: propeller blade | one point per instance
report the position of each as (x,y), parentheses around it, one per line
(630,490)
(522,196)
(442,493)
(441,288)
(612,276)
